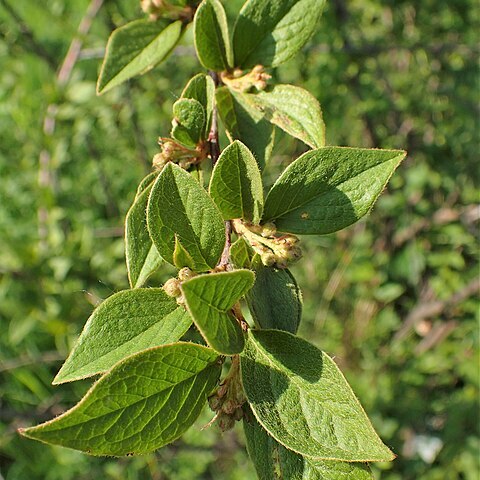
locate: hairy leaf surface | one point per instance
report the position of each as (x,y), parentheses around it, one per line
(275,300)
(212,40)
(125,323)
(245,123)
(273,461)
(294,110)
(202,88)
(142,404)
(301,398)
(241,253)
(180,210)
(136,48)
(189,121)
(141,255)
(269,32)
(209,299)
(328,189)
(236,184)
(146,182)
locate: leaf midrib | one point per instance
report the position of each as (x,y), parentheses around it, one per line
(292,379)
(136,55)
(331,186)
(145,398)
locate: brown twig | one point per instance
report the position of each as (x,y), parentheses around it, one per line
(214,155)
(435,308)
(24,360)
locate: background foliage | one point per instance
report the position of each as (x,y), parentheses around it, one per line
(394,299)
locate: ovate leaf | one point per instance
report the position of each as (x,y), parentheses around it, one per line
(236,184)
(269,32)
(273,461)
(209,299)
(202,88)
(125,323)
(275,300)
(141,255)
(189,121)
(245,123)
(136,48)
(301,398)
(180,210)
(294,110)
(146,182)
(142,404)
(241,253)
(328,189)
(212,40)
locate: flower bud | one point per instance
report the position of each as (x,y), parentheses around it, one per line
(225,422)
(172,288)
(215,402)
(238,414)
(269,230)
(185,274)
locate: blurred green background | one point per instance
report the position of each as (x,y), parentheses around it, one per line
(393,298)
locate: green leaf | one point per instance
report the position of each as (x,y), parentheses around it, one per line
(245,123)
(125,323)
(142,404)
(236,184)
(301,398)
(273,461)
(328,189)
(241,253)
(146,182)
(189,121)
(209,299)
(275,300)
(136,48)
(202,88)
(141,255)
(269,32)
(212,40)
(179,209)
(294,110)
(325,470)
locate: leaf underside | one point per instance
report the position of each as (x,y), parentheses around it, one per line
(142,404)
(209,299)
(301,398)
(273,461)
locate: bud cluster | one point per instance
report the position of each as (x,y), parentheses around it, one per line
(274,251)
(173,151)
(228,399)
(256,78)
(172,286)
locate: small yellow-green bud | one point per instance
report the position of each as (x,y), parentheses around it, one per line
(269,230)
(172,288)
(268,259)
(185,274)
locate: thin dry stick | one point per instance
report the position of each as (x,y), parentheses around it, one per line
(436,308)
(45,175)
